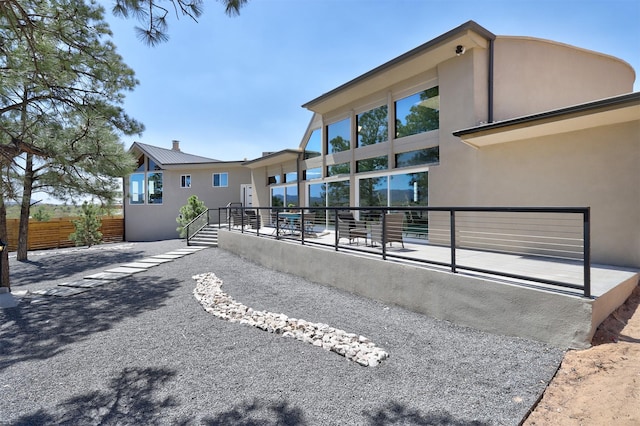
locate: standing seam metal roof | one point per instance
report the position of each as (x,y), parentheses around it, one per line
(164,156)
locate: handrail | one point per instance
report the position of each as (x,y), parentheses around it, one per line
(189,234)
(558,237)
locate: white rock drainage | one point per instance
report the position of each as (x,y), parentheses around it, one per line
(352,346)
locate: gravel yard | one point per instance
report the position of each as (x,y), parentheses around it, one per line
(142,350)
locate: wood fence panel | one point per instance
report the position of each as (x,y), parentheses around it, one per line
(55,232)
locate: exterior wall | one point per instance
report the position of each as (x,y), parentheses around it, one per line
(146,222)
(533,75)
(595,168)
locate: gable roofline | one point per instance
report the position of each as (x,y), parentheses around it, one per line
(273,158)
(469,26)
(170,157)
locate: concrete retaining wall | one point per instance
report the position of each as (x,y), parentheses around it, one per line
(560,320)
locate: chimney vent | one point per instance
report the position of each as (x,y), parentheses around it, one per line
(176,146)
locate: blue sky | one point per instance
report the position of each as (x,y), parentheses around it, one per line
(232,87)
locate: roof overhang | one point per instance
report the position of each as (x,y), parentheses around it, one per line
(619,109)
(272,159)
(410,64)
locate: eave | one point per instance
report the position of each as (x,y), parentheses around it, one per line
(619,109)
(272,159)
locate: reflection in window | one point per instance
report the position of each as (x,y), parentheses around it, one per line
(419,157)
(373,192)
(411,189)
(291,177)
(314,145)
(338,193)
(373,126)
(311,174)
(155,188)
(136,188)
(277,197)
(418,113)
(221,179)
(274,180)
(318,195)
(339,136)
(185,181)
(291,195)
(339,169)
(371,164)
(151,165)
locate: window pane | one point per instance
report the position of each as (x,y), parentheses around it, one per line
(338,194)
(373,192)
(274,180)
(155,188)
(339,136)
(136,188)
(373,126)
(339,169)
(411,189)
(140,167)
(152,166)
(318,195)
(370,164)
(310,174)
(220,179)
(291,195)
(417,158)
(277,197)
(418,113)
(185,181)
(291,177)
(314,145)
(224,179)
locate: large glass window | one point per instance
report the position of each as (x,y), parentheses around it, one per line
(373,126)
(373,192)
(338,193)
(315,173)
(339,136)
(371,164)
(339,169)
(419,157)
(220,180)
(154,181)
(314,145)
(284,196)
(418,113)
(411,189)
(136,188)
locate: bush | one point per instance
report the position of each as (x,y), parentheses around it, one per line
(87,227)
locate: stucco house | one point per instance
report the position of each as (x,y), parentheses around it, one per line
(466,119)
(474,119)
(166,178)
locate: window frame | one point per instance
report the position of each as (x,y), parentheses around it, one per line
(185,181)
(220,174)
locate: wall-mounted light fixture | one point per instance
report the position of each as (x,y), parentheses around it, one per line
(460,50)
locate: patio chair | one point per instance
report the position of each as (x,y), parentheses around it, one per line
(309,222)
(393,223)
(350,229)
(251,218)
(237,219)
(279,223)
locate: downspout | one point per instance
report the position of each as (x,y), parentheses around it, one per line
(490,83)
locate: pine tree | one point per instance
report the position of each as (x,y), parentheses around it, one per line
(87,227)
(188,212)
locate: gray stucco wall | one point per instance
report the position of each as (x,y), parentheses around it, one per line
(560,320)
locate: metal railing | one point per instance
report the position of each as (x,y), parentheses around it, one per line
(455,238)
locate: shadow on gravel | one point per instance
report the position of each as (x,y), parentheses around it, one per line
(258,413)
(131,399)
(41,331)
(55,267)
(397,414)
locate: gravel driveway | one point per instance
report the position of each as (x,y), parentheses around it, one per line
(142,351)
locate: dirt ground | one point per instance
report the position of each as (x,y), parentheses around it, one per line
(599,385)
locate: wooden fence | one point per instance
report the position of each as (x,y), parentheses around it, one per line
(55,233)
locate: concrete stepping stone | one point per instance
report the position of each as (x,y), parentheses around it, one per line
(189,250)
(177,253)
(125,270)
(138,265)
(84,283)
(153,261)
(60,291)
(168,256)
(107,276)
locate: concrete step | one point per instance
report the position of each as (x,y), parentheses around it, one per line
(207,236)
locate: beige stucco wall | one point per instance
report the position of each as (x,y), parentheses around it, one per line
(533,75)
(158,222)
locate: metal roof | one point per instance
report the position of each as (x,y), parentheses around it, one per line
(164,156)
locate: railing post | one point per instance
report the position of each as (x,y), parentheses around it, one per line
(335,222)
(302,226)
(587,251)
(453,239)
(384,234)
